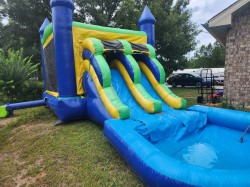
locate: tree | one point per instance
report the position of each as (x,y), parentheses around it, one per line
(210,56)
(99,12)
(175,33)
(14,71)
(25,18)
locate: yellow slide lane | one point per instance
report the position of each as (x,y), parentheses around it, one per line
(167,96)
(146,104)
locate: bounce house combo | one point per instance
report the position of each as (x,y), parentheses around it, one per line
(112,76)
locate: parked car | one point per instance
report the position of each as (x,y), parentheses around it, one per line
(187,79)
(219,79)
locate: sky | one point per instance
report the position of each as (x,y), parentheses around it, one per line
(204,10)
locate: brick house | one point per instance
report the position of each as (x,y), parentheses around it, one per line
(231,28)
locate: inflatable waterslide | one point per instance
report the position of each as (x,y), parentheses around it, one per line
(112,76)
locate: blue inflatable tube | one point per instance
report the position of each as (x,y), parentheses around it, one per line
(158,169)
(62,11)
(147,24)
(125,62)
(16,106)
(67,108)
(95,107)
(151,65)
(87,54)
(41,32)
(232,119)
(183,150)
(137,152)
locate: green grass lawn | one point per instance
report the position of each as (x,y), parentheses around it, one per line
(190,94)
(34,153)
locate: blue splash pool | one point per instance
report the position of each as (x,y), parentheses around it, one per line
(214,147)
(199,146)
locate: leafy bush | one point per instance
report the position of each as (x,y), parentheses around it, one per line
(15,70)
(31,90)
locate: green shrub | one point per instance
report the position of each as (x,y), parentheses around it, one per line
(31,90)
(15,70)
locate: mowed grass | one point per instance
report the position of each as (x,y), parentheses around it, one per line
(190,94)
(34,153)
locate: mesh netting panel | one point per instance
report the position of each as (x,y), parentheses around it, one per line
(112,45)
(50,67)
(139,47)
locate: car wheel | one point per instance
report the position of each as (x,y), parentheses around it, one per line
(198,84)
(174,84)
